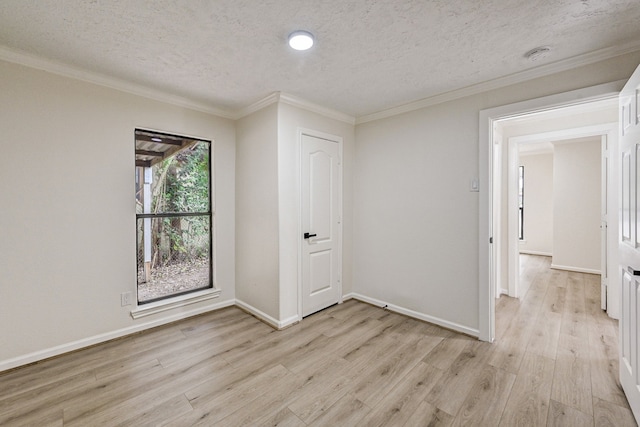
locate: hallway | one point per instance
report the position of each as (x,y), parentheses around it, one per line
(563,348)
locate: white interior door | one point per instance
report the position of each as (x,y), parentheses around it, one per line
(321,223)
(629,242)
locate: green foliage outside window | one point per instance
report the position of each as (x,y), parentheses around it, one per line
(181,185)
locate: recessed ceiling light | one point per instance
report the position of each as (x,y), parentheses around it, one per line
(538,53)
(301,40)
(156,139)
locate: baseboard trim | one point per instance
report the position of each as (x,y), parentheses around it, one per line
(528,252)
(576,269)
(271,321)
(347,297)
(288,322)
(48,353)
(417,315)
(276,324)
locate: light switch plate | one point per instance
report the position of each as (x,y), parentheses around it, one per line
(125,298)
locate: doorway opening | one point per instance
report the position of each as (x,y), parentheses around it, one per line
(568,178)
(538,118)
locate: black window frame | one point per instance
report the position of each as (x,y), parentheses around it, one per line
(209,213)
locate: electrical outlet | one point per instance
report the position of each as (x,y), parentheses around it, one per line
(125,298)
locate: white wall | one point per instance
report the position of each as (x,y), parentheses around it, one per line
(538,204)
(67,215)
(415,222)
(576,205)
(257,261)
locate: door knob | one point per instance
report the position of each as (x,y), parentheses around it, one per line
(633,272)
(307,235)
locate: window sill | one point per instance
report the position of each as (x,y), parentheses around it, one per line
(169,304)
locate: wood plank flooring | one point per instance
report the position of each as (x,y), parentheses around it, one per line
(555,362)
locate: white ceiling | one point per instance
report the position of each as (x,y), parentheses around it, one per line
(369,55)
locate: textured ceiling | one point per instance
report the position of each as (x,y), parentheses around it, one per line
(369,55)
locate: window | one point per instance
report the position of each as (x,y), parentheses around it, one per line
(173,215)
(521,202)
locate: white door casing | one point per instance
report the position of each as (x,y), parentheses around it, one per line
(496,265)
(513,255)
(629,242)
(321,197)
(488,117)
(604,213)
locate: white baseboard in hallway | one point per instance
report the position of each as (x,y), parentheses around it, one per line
(417,315)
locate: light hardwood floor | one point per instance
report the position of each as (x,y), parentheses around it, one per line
(554,363)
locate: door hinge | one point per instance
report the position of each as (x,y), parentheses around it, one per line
(491,240)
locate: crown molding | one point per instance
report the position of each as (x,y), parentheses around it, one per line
(37,62)
(286,98)
(256,106)
(542,71)
(33,61)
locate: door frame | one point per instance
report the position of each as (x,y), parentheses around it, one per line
(339,140)
(486,259)
(607,132)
